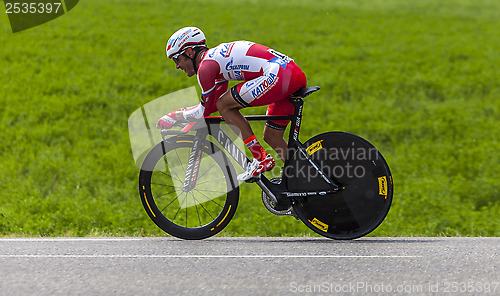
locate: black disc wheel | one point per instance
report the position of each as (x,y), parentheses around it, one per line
(195,213)
(364,179)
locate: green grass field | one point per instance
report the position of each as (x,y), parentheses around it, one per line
(418,79)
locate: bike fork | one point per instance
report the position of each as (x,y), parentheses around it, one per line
(193,166)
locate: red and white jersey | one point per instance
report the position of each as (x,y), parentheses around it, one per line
(236,61)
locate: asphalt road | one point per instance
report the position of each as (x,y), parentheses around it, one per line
(250,266)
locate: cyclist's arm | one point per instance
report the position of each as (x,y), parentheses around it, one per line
(220,88)
(199,111)
(207,76)
(185,113)
(193,112)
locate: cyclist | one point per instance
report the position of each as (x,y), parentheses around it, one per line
(269,78)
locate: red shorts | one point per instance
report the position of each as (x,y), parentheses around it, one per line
(273,88)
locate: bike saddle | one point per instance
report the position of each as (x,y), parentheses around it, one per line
(304,92)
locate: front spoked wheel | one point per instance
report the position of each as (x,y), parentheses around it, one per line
(197,213)
(362,174)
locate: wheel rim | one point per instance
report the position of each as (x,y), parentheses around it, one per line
(197,213)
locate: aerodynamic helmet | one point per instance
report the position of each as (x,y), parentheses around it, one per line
(188,37)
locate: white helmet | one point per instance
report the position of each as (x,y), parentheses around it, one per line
(188,37)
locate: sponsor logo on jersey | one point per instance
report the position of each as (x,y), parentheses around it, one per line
(278,54)
(231,67)
(238,75)
(279,61)
(225,50)
(211,53)
(264,85)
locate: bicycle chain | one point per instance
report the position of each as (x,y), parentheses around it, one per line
(270,207)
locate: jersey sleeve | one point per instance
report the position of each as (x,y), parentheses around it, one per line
(220,89)
(207,75)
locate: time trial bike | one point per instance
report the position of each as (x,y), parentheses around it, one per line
(338,184)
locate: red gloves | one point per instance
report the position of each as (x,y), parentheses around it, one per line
(167,121)
(190,113)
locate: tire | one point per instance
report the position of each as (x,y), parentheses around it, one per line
(198,213)
(362,173)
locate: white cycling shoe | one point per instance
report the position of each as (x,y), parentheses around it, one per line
(257,167)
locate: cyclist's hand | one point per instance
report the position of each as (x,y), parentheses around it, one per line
(167,121)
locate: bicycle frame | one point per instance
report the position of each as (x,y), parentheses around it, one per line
(272,190)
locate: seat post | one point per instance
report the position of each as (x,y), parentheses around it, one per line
(297,103)
(293,137)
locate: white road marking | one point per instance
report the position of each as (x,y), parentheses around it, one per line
(72,239)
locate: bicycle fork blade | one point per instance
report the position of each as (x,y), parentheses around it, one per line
(193,168)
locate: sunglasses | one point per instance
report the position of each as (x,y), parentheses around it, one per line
(175,58)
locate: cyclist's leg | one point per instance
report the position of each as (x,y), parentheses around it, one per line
(275,139)
(255,92)
(275,129)
(272,88)
(292,80)
(229,109)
